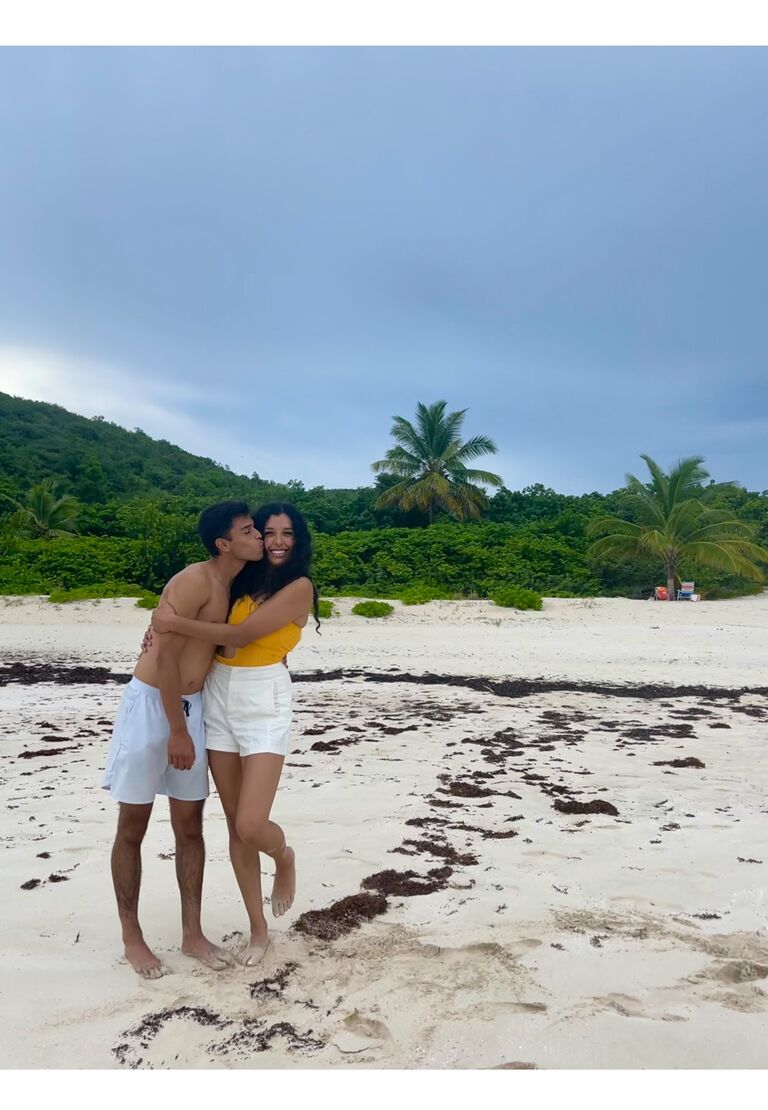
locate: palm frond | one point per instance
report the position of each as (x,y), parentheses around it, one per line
(475,447)
(723,556)
(685,478)
(613,546)
(615,524)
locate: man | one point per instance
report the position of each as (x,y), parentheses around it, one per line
(158,743)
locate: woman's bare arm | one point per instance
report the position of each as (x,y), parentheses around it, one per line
(290,604)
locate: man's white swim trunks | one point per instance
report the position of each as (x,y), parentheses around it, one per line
(137,761)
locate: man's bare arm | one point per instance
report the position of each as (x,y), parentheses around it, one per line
(289,604)
(189,592)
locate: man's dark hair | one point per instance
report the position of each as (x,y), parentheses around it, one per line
(216,522)
(260,580)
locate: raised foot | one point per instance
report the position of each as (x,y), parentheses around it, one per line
(208,953)
(284,886)
(143,960)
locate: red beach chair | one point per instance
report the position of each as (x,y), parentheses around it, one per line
(660,594)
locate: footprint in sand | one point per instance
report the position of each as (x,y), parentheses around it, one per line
(749,1000)
(361,1034)
(517,1007)
(630,1007)
(737,971)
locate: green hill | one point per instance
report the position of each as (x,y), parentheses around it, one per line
(102,464)
(98,460)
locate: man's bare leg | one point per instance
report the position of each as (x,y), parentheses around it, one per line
(187,822)
(246,862)
(261,775)
(132,824)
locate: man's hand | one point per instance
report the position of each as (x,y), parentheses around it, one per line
(162,617)
(146,643)
(181,751)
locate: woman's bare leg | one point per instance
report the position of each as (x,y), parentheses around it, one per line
(261,775)
(246,862)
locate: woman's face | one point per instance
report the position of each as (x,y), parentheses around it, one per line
(279,539)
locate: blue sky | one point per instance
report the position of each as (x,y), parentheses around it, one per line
(263,254)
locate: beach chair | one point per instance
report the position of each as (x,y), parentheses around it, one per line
(685,593)
(660,594)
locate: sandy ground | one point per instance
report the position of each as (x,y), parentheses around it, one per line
(513,933)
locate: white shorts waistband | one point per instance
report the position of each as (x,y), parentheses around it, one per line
(154,691)
(249,674)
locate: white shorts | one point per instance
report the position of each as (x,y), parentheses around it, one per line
(137,761)
(248,709)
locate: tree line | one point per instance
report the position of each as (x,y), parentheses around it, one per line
(427,519)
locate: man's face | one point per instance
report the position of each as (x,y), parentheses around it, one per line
(244,541)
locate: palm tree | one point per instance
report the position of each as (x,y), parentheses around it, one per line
(674,520)
(430,463)
(46,514)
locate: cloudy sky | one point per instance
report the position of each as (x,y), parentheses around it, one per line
(263,254)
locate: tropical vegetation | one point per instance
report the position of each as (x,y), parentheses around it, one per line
(516,597)
(138,501)
(45,514)
(675,519)
(373,609)
(429,465)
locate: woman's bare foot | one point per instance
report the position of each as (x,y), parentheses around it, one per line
(142,959)
(254,951)
(202,949)
(284,886)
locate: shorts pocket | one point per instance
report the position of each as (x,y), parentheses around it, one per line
(251,701)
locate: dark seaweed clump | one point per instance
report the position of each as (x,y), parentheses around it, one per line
(341,917)
(595,806)
(408,883)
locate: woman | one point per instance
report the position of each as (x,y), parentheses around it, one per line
(247,704)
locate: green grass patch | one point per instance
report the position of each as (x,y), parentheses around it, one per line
(420,595)
(373,609)
(724,593)
(98,590)
(395,592)
(325,609)
(516,597)
(148,601)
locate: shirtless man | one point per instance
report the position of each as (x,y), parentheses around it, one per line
(158,743)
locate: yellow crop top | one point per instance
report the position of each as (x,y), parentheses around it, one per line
(266,651)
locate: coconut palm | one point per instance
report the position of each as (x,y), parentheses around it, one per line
(674,520)
(430,465)
(45,514)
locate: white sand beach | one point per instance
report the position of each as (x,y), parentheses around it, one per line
(636,937)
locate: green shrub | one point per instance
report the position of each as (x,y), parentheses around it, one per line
(516,597)
(21,581)
(148,601)
(373,609)
(99,589)
(723,593)
(455,560)
(325,609)
(419,594)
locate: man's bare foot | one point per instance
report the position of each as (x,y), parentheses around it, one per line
(142,959)
(202,949)
(254,951)
(284,886)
